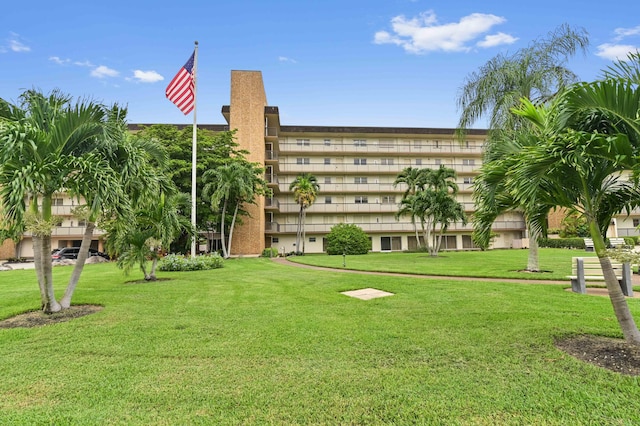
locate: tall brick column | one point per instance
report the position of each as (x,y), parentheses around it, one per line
(248,100)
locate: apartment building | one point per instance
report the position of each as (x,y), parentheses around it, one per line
(355,168)
(68,233)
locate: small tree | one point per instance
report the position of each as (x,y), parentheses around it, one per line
(345,238)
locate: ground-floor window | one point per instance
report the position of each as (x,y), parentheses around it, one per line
(390,243)
(467,242)
(448,242)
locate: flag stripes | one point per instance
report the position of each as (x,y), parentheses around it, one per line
(181,90)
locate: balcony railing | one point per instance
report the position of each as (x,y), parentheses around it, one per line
(272,202)
(399,227)
(271,132)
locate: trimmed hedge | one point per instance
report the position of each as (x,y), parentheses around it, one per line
(174,262)
(569,243)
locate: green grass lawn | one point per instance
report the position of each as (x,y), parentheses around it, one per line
(555,263)
(262,343)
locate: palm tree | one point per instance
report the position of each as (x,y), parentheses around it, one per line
(413,178)
(537,73)
(47,146)
(411,206)
(230,186)
(154,227)
(305,191)
(588,143)
(138,164)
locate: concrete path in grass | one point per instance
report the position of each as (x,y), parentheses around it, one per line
(596,291)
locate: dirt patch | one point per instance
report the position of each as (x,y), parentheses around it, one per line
(37,318)
(143,281)
(612,354)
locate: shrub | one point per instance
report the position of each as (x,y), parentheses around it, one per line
(270,252)
(571,243)
(630,241)
(347,238)
(174,262)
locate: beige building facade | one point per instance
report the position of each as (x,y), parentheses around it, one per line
(355,168)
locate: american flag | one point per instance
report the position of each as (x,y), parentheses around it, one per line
(181,89)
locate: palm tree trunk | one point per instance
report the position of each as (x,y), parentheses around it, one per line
(299,230)
(618,301)
(415,229)
(222,236)
(304,230)
(533,263)
(65,302)
(37,262)
(233,224)
(154,265)
(51,305)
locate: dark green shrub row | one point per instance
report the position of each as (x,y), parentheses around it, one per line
(570,243)
(174,262)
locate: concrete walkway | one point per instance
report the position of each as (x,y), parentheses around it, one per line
(596,291)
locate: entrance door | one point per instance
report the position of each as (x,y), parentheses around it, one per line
(385,243)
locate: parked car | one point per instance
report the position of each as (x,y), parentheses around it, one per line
(72,253)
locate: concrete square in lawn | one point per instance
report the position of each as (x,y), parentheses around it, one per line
(367,293)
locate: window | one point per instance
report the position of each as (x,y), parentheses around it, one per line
(362,199)
(388,199)
(312,239)
(360,142)
(303,142)
(467,144)
(636,222)
(438,161)
(468,162)
(327,200)
(327,180)
(467,180)
(81,223)
(302,161)
(387,161)
(327,161)
(327,142)
(436,144)
(275,240)
(360,161)
(418,161)
(57,202)
(360,180)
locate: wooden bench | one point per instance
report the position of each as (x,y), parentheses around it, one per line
(588,244)
(585,269)
(617,242)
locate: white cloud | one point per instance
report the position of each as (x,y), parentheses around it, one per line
(285,59)
(83,64)
(59,60)
(14,44)
(424,34)
(147,76)
(497,40)
(615,51)
(103,71)
(626,32)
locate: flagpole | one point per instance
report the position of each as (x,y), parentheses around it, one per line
(194,156)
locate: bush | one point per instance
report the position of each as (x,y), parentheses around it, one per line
(270,252)
(570,243)
(630,241)
(174,262)
(347,238)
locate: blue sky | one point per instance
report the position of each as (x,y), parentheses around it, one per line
(396,63)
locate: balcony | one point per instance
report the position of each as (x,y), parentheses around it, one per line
(444,149)
(272,227)
(398,227)
(272,203)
